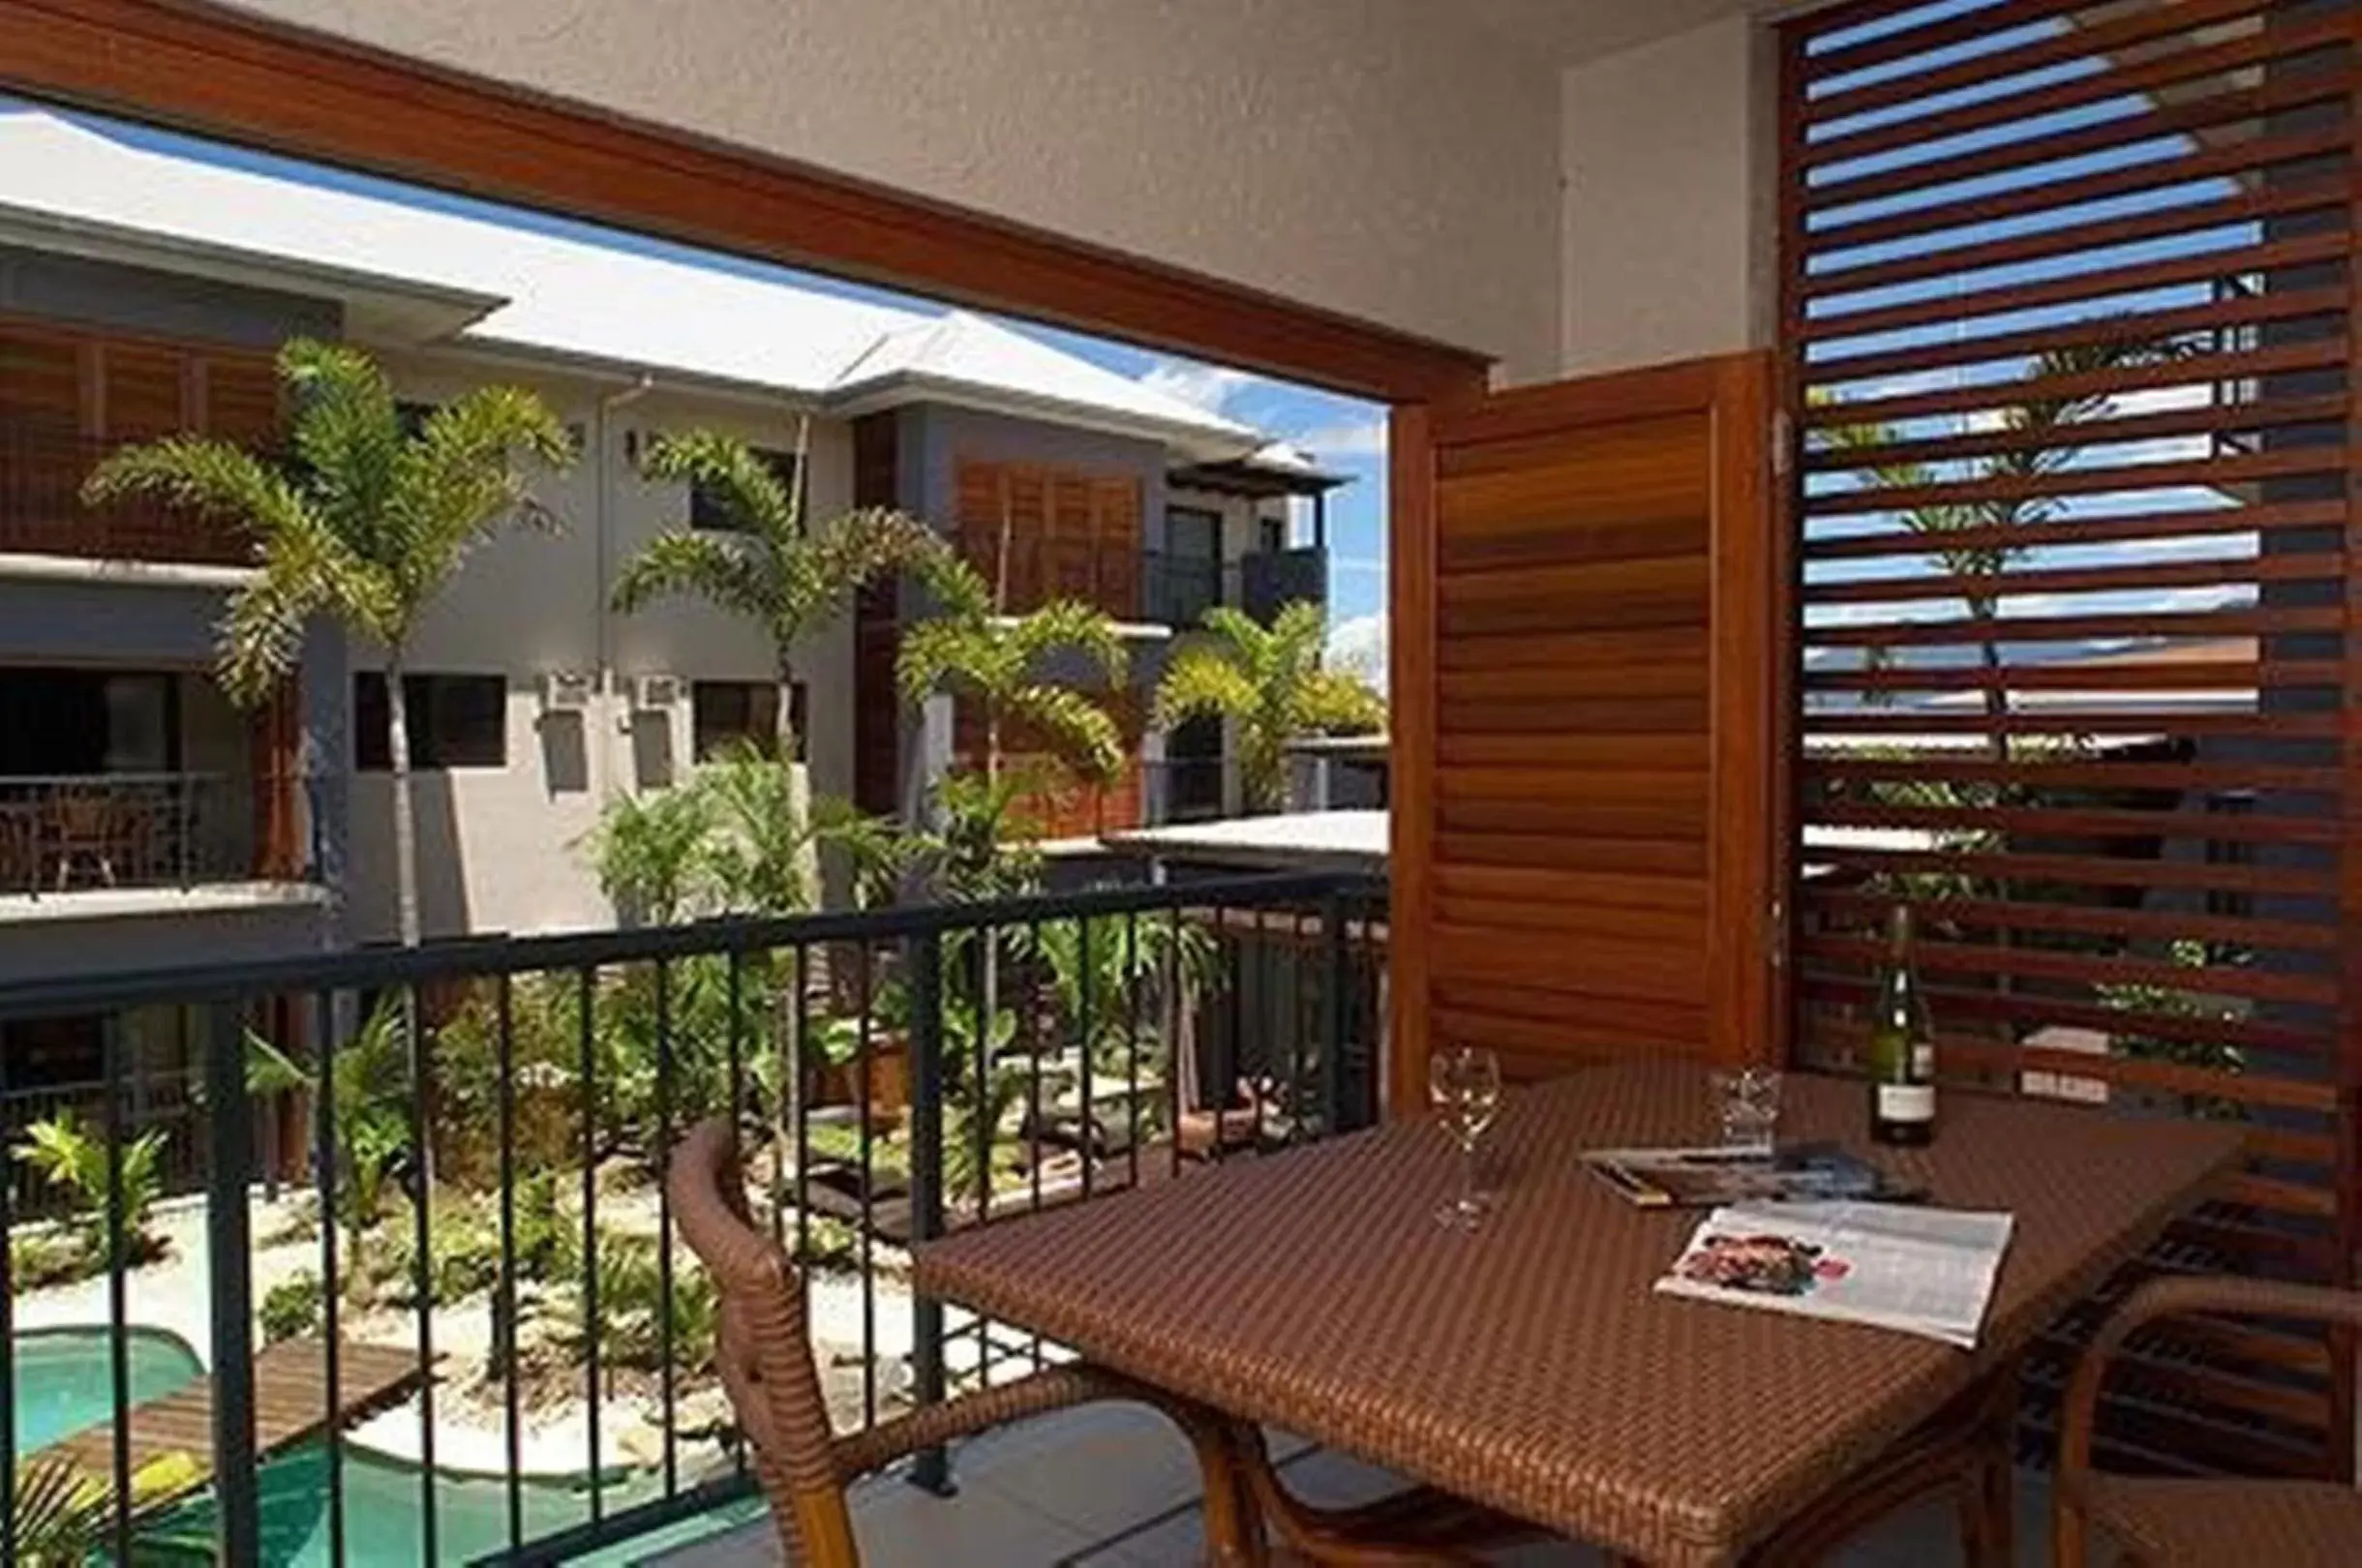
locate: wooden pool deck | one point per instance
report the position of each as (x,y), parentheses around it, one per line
(291,1406)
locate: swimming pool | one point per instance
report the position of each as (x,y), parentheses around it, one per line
(64,1383)
(64,1378)
(384,1520)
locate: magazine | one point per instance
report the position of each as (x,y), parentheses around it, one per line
(1706,1178)
(1923,1271)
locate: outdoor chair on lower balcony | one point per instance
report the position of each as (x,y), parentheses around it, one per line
(2195,1524)
(767,1364)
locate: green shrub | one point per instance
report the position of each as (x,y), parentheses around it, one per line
(73,1159)
(39,1258)
(292,1307)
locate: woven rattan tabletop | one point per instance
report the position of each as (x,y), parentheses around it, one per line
(1529,1365)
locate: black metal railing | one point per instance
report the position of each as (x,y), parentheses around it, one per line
(481,1239)
(59,833)
(1272,579)
(1181,589)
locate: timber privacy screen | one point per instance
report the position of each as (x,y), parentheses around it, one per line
(2067,294)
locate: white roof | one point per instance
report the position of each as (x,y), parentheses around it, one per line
(1355,840)
(961,352)
(536,287)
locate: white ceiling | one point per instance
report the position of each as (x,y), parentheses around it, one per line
(1572,31)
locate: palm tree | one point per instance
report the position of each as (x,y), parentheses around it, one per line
(1270,681)
(767,566)
(975,653)
(2040,440)
(366,525)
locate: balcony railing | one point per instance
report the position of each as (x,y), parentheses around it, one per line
(1181,589)
(42,471)
(1272,579)
(479,1252)
(68,833)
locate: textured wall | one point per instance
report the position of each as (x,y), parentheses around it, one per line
(1669,224)
(1373,156)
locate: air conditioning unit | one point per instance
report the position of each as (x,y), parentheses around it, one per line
(657,693)
(566,691)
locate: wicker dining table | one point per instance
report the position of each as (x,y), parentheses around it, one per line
(1529,1366)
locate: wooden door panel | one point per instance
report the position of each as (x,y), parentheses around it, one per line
(1587,727)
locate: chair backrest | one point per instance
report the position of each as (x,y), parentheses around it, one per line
(764,1354)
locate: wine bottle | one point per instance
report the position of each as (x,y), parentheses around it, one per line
(1903,1046)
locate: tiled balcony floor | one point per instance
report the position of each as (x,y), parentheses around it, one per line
(1113,1486)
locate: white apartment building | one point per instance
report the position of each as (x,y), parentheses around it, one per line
(142,289)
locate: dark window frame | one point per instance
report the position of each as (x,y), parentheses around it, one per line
(757,721)
(441,706)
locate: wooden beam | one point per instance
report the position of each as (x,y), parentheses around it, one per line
(204,69)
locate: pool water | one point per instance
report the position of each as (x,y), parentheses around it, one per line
(64,1378)
(384,1522)
(64,1384)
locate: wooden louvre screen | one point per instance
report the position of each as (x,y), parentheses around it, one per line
(2069,345)
(1070,535)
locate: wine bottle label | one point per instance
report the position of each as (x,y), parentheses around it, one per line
(1906,1101)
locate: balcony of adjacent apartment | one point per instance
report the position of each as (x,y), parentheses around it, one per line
(42,517)
(131,792)
(1162,588)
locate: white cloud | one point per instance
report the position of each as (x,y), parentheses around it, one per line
(1210,387)
(1357,438)
(1358,643)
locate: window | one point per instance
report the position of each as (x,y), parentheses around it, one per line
(709,510)
(1191,582)
(724,712)
(455,721)
(1273,531)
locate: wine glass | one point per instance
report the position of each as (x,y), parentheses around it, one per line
(1463,1083)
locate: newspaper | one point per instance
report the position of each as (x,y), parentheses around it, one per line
(1923,1271)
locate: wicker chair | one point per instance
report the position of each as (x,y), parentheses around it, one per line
(2171,1523)
(767,1365)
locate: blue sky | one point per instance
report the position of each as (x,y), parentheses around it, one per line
(1344,435)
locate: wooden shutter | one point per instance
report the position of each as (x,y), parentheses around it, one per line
(39,380)
(241,401)
(1584,722)
(2068,299)
(1071,533)
(143,390)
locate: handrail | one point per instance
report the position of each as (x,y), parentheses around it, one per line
(486,955)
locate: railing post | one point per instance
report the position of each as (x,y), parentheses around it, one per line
(1333,1029)
(931,1471)
(229,1119)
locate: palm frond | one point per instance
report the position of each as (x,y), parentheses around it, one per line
(347,433)
(194,474)
(746,487)
(822,572)
(1077,730)
(1204,680)
(461,480)
(718,567)
(959,589)
(306,570)
(949,654)
(1069,623)
(1337,701)
(1297,633)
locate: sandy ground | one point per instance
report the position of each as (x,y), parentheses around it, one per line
(175,1293)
